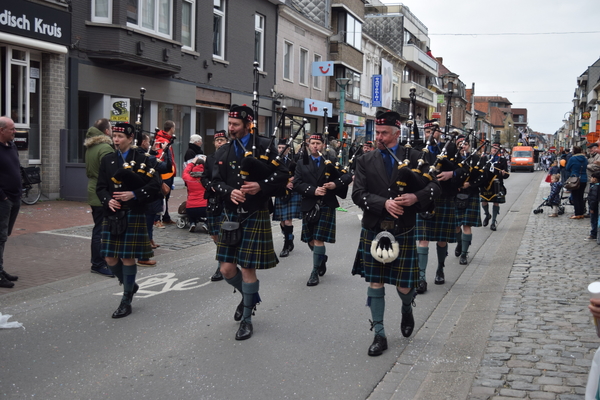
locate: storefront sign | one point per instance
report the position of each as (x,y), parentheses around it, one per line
(353,120)
(25,18)
(119,110)
(21,140)
(315,107)
(322,68)
(376,91)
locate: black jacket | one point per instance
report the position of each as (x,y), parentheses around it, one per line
(226,176)
(372,188)
(110,165)
(192,151)
(308,178)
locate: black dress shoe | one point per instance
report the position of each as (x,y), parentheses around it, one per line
(323,266)
(422,288)
(458,250)
(239,311)
(493,226)
(408,324)
(313,280)
(285,252)
(5,283)
(463,259)
(486,221)
(217,276)
(378,346)
(440,279)
(123,310)
(10,277)
(244,332)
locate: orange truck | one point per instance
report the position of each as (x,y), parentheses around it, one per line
(522,158)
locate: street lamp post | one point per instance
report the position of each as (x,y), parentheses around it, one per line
(342,83)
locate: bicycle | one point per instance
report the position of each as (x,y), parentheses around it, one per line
(32,185)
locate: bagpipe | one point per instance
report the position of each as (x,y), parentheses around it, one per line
(467,172)
(333,170)
(131,176)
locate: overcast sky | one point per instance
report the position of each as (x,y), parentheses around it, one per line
(537,72)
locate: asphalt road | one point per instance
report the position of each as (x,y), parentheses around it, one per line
(308,343)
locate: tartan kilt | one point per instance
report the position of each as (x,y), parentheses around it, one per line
(288,207)
(442,227)
(402,272)
(470,216)
(256,248)
(213,222)
(324,230)
(134,243)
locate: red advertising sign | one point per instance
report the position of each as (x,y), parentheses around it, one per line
(436,115)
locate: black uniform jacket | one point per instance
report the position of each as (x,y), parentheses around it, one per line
(207,177)
(372,188)
(448,163)
(226,176)
(309,177)
(110,164)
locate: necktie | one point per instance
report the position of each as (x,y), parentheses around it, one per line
(317,162)
(387,161)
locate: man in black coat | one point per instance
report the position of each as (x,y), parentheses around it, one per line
(319,182)
(390,198)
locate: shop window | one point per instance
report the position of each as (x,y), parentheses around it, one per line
(153,16)
(21,94)
(102,11)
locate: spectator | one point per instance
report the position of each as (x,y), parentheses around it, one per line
(194,148)
(10,192)
(98,144)
(554,197)
(577,166)
(195,207)
(593,194)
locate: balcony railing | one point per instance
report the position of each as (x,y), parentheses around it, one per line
(424,95)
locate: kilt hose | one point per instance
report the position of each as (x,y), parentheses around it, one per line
(288,207)
(134,243)
(402,272)
(323,230)
(470,216)
(256,247)
(213,222)
(442,227)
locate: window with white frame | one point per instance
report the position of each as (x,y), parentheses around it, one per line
(303,67)
(102,11)
(353,31)
(259,40)
(153,16)
(317,79)
(219,29)
(21,93)
(188,22)
(288,55)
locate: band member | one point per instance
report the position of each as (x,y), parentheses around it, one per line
(287,207)
(368,147)
(496,170)
(215,204)
(439,226)
(319,182)
(467,200)
(166,135)
(388,216)
(124,193)
(245,238)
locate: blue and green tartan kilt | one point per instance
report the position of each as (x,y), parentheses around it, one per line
(134,243)
(402,272)
(287,208)
(214,222)
(256,248)
(470,216)
(323,230)
(442,227)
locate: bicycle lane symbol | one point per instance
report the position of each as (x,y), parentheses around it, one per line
(168,282)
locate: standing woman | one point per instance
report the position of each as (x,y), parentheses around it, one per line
(577,166)
(124,189)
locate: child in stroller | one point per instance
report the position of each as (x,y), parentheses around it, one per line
(553,200)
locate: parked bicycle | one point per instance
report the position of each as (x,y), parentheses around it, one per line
(32,185)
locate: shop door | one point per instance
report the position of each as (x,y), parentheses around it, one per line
(73,180)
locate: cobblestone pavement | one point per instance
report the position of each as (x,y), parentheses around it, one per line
(543,340)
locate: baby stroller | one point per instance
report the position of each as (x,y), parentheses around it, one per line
(183,220)
(553,199)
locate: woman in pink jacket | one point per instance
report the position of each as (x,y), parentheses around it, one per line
(196,203)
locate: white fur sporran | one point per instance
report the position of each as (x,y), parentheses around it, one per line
(385,248)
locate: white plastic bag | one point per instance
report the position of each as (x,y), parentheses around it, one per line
(5,324)
(591,389)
